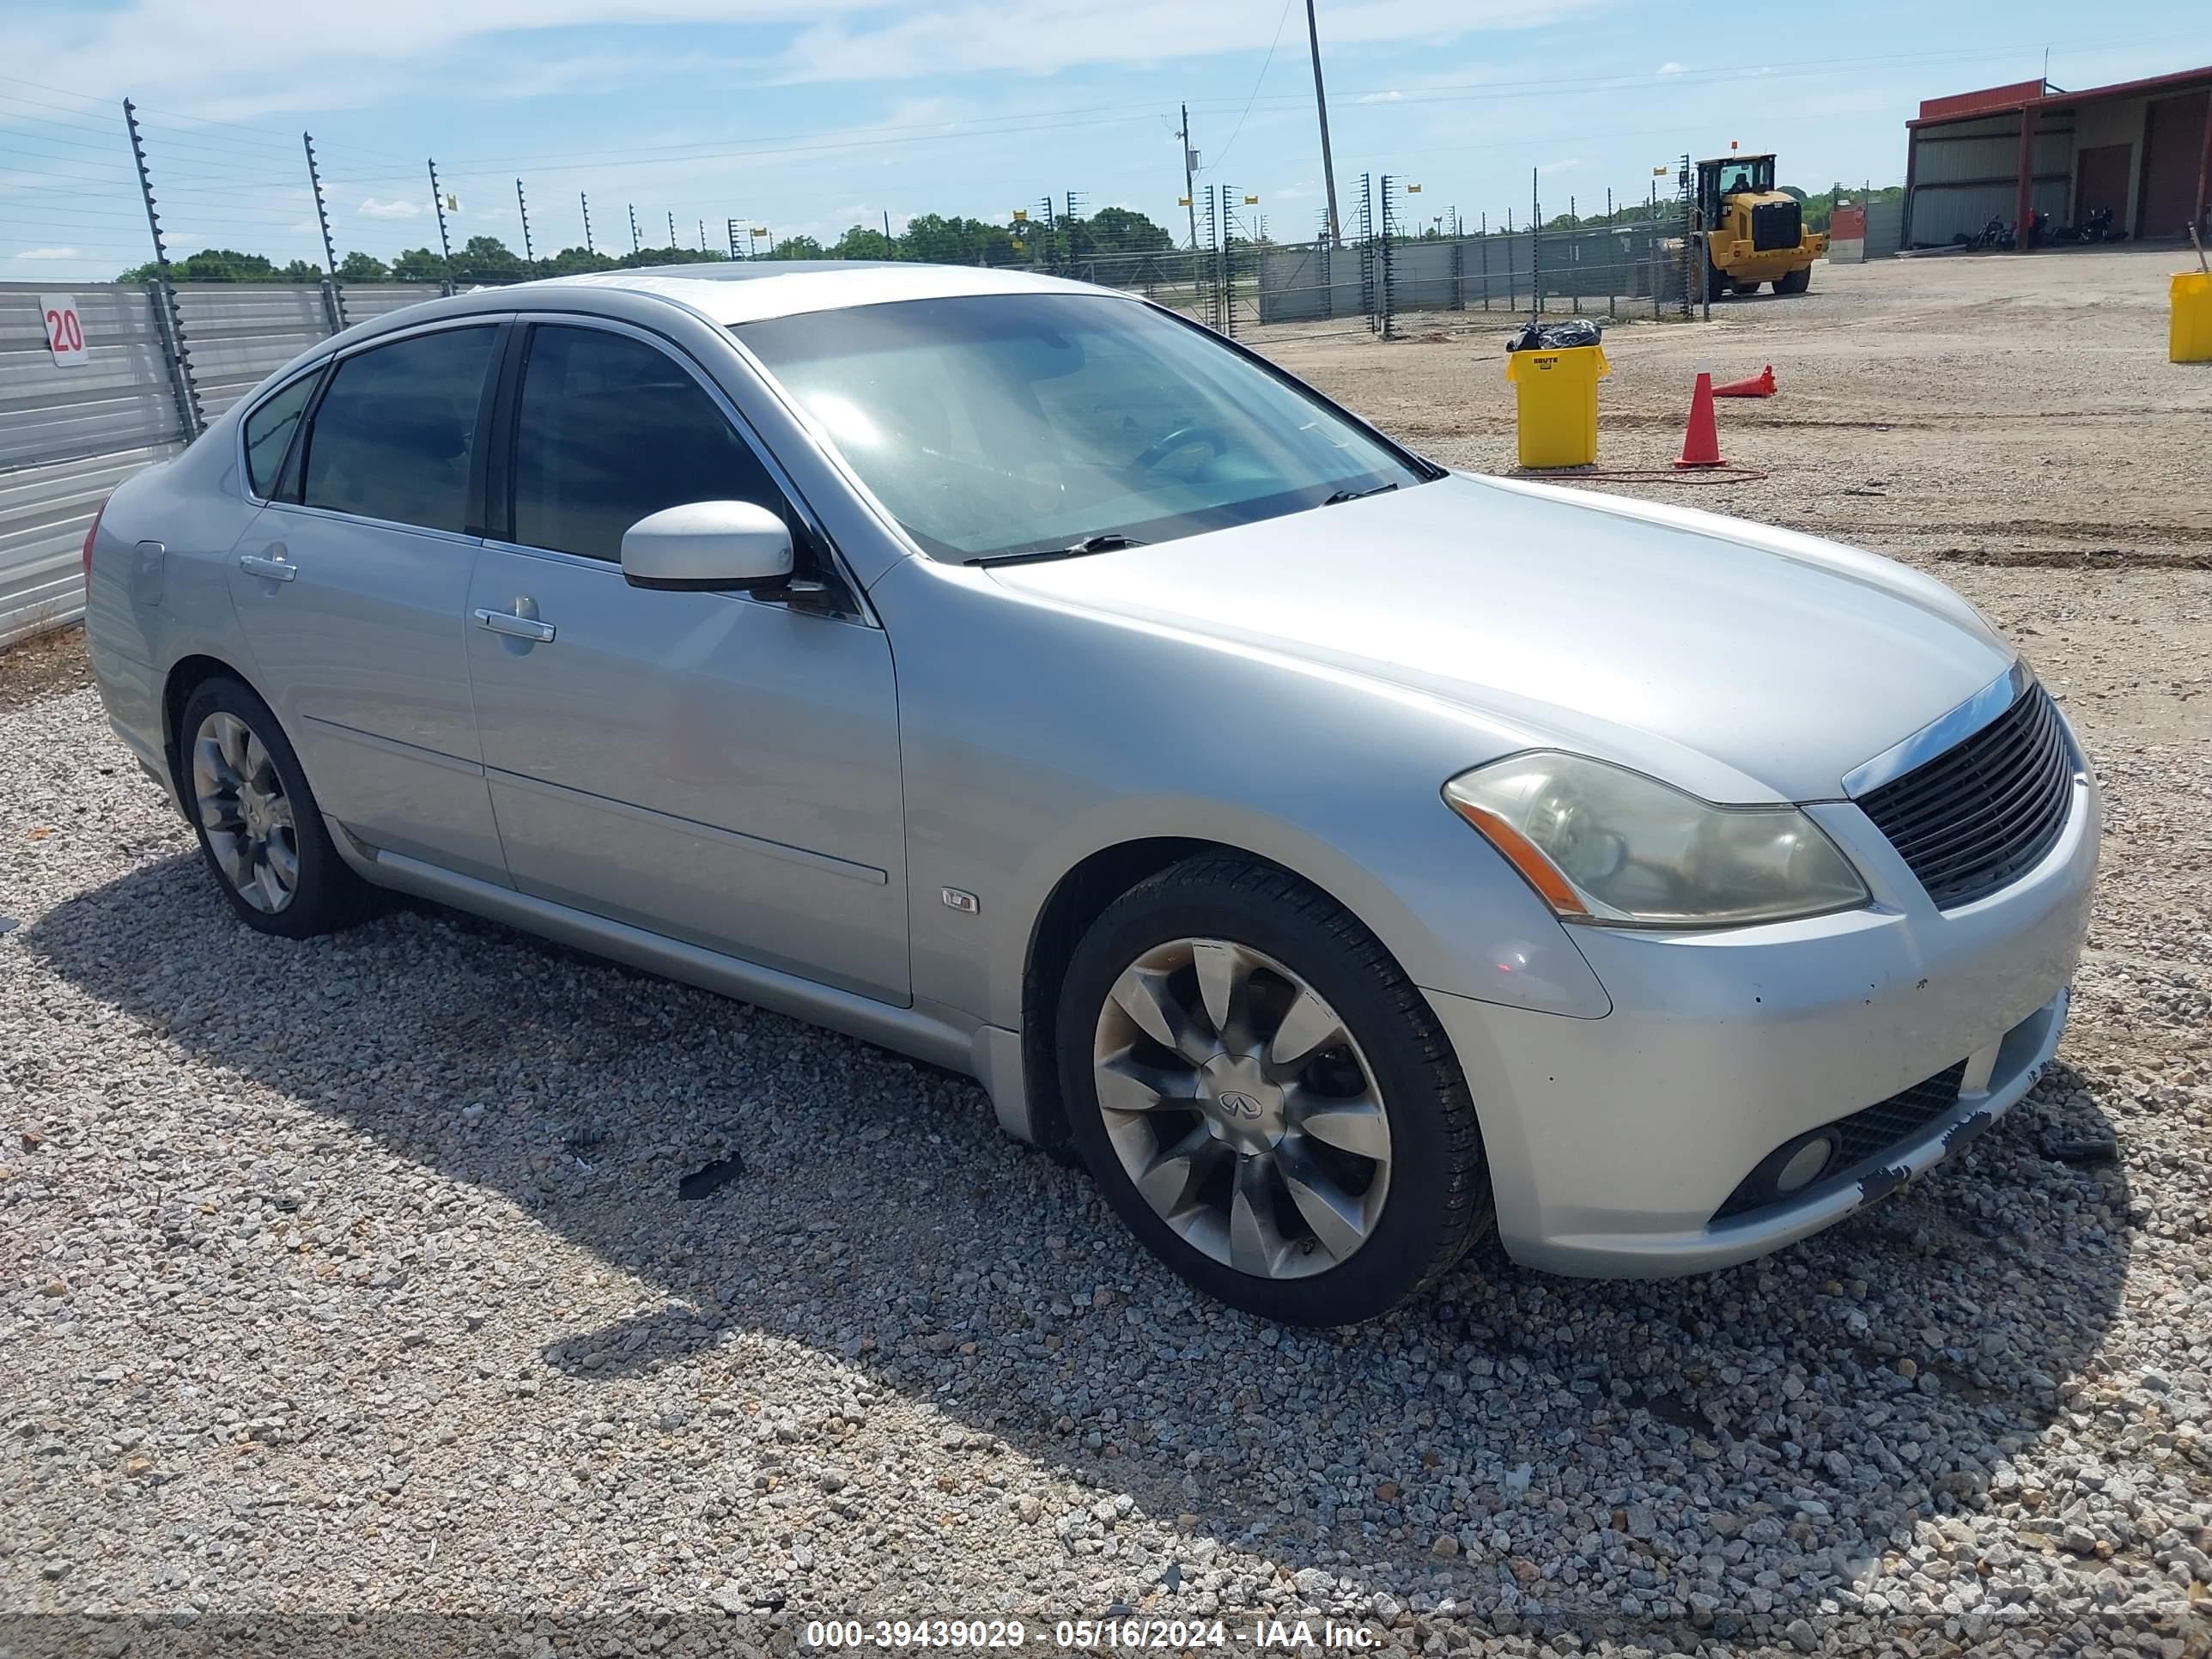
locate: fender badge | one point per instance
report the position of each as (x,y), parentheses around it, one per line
(958,899)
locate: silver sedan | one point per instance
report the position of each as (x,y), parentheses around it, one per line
(1339,854)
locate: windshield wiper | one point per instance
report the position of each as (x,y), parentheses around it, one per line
(1112,541)
(1356,495)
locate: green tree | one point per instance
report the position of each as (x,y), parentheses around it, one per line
(797,247)
(488,259)
(301,271)
(1125,230)
(358,267)
(418,264)
(866,242)
(574,261)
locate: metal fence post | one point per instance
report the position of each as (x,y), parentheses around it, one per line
(169,321)
(333,297)
(1388,293)
(162,298)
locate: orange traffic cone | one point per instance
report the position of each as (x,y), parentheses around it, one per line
(1701,443)
(1759,386)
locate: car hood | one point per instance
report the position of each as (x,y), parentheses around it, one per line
(1740,661)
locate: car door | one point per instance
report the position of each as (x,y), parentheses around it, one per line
(718,768)
(352,583)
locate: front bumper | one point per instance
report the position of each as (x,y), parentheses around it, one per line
(1612,1142)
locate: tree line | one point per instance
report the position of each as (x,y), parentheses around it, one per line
(933,238)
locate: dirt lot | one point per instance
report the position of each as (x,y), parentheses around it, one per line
(350,1277)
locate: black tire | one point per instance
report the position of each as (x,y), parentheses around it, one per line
(1716,283)
(1743,287)
(1795,283)
(1437,1200)
(326,895)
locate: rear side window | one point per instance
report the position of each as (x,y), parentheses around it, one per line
(393,436)
(608,429)
(269,434)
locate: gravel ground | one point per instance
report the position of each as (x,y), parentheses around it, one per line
(351,1277)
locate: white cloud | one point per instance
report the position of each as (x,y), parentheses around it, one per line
(50,253)
(1394,96)
(373,208)
(1567,165)
(1670,67)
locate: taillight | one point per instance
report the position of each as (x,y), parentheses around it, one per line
(92,535)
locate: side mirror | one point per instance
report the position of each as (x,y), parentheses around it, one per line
(707,545)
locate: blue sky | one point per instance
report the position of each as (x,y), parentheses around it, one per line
(812,115)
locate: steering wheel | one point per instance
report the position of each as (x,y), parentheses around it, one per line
(1182,438)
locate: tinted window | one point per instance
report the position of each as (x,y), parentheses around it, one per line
(392,435)
(609,430)
(269,432)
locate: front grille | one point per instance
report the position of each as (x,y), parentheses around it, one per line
(1776,225)
(1981,815)
(1862,1140)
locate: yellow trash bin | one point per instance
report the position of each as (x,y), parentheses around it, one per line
(2189,335)
(1558,399)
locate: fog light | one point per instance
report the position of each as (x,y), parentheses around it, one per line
(1804,1165)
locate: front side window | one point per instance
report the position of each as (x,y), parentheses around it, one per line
(392,437)
(610,430)
(998,425)
(269,434)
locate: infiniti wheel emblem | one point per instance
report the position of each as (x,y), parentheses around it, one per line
(1239,1105)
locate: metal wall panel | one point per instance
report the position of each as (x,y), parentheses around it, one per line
(44,514)
(68,436)
(365,299)
(237,335)
(1885,227)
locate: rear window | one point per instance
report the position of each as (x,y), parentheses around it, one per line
(393,435)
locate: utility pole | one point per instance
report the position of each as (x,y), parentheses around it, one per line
(635,245)
(887,224)
(1190,166)
(438,201)
(529,253)
(1321,105)
(702,236)
(585,202)
(672,228)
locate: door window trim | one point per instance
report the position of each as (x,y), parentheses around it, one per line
(314,371)
(500,469)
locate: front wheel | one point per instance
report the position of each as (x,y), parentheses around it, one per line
(1795,282)
(1265,1098)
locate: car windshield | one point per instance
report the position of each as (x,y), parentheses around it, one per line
(1006,425)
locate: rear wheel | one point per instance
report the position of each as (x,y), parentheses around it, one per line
(1265,1098)
(1795,283)
(1716,281)
(259,827)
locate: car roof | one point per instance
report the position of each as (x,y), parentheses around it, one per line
(745,291)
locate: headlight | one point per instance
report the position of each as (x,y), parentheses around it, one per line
(1604,844)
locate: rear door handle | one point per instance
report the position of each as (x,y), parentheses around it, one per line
(520,628)
(276,566)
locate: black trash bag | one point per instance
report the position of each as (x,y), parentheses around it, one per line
(1555,336)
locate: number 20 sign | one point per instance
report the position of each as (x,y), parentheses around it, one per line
(64,333)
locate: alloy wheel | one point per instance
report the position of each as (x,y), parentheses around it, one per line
(241,805)
(1241,1109)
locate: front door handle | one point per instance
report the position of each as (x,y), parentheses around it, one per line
(519,628)
(273,564)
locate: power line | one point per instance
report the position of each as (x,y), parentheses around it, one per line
(1265,64)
